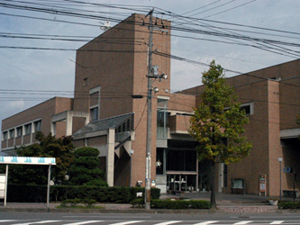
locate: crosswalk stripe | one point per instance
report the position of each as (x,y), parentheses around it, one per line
(84,222)
(277,222)
(38,222)
(169,222)
(243,222)
(206,222)
(128,222)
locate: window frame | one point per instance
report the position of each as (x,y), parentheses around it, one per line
(27,129)
(251,106)
(5,135)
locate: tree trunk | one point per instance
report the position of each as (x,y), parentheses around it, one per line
(212,185)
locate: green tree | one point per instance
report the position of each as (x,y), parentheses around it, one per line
(217,124)
(86,168)
(47,146)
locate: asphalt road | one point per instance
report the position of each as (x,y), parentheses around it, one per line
(8,218)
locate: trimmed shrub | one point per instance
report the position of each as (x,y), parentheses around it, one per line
(200,204)
(70,202)
(180,204)
(139,202)
(88,202)
(26,193)
(38,193)
(289,205)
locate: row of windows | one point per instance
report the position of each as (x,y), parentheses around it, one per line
(95,103)
(22,130)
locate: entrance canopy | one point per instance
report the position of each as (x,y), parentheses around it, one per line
(27,160)
(8,160)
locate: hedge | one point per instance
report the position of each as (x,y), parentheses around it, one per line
(289,205)
(38,193)
(180,204)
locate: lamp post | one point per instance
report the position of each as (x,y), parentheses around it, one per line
(280,160)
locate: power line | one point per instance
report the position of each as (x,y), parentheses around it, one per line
(213,8)
(246,3)
(201,7)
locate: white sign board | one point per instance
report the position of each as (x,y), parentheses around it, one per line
(2,186)
(27,160)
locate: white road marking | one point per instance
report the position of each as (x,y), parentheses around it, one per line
(39,222)
(277,222)
(84,222)
(6,221)
(243,222)
(166,223)
(128,222)
(205,223)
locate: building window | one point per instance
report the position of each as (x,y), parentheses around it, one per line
(37,126)
(248,108)
(125,126)
(95,103)
(160,161)
(28,129)
(4,136)
(181,160)
(162,118)
(12,133)
(85,82)
(19,132)
(94,113)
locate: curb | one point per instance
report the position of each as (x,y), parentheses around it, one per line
(224,210)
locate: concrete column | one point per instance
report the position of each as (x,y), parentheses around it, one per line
(110,161)
(31,132)
(53,128)
(22,136)
(69,123)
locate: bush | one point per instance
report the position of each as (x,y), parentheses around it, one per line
(70,202)
(289,205)
(180,204)
(38,193)
(26,193)
(88,202)
(139,202)
(200,204)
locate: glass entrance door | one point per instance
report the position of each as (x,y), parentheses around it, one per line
(179,183)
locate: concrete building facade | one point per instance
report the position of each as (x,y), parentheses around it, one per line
(105,113)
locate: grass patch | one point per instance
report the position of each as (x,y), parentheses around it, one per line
(80,204)
(80,207)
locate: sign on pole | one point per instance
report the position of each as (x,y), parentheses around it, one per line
(263,184)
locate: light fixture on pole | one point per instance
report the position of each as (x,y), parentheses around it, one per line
(280,160)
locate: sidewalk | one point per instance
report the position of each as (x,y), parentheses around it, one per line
(226,203)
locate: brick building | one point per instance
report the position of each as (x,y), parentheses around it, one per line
(112,68)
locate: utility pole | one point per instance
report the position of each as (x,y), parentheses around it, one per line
(149,115)
(280,160)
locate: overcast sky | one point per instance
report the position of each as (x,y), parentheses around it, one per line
(238,34)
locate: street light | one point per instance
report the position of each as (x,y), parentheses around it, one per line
(280,160)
